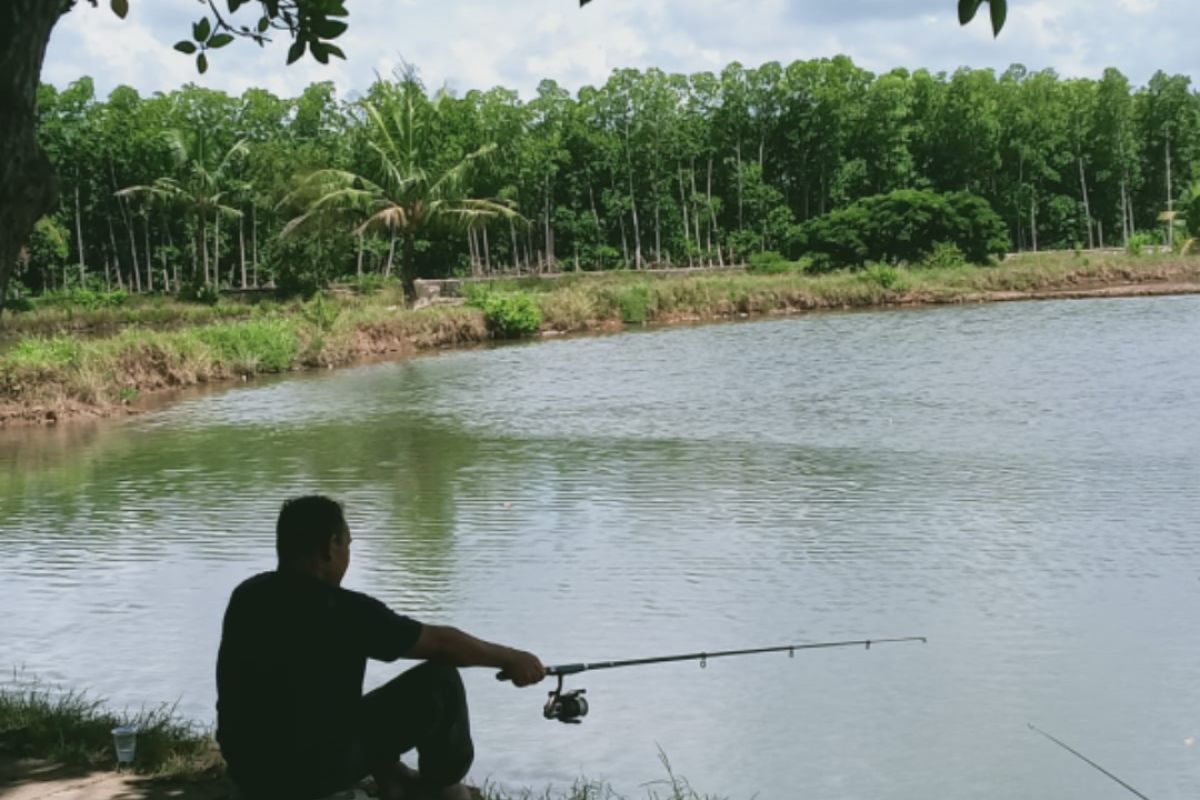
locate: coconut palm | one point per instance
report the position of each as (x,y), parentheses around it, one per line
(405,192)
(200,192)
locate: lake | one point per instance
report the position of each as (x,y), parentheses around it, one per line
(1017,482)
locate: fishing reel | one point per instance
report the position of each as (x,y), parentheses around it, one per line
(569,707)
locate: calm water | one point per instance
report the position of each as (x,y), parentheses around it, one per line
(1017,482)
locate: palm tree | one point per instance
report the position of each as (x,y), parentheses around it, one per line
(405,193)
(199,193)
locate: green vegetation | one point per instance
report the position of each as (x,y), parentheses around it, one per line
(75,730)
(403,197)
(819,159)
(903,226)
(137,348)
(509,315)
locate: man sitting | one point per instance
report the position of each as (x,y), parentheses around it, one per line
(292,720)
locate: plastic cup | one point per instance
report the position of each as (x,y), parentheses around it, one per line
(125,743)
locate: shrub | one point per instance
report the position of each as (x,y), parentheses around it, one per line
(38,352)
(321,313)
(904,225)
(249,347)
(634,304)
(203,294)
(886,277)
(943,255)
(1138,242)
(90,299)
(766,262)
(509,315)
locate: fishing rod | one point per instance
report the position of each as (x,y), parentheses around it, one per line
(1085,759)
(571,707)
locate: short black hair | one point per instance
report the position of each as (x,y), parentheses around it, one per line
(305,526)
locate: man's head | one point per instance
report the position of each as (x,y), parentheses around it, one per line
(311,536)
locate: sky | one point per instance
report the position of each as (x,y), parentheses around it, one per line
(469,44)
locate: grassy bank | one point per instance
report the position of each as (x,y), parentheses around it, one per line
(48,377)
(74,730)
(40,726)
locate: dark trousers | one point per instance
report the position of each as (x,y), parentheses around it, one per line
(424,709)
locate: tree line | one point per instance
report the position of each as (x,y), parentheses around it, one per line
(197,187)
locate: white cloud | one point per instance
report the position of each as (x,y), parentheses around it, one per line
(468,44)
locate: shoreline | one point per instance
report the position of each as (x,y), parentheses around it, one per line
(378,341)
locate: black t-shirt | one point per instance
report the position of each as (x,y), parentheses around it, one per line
(290,672)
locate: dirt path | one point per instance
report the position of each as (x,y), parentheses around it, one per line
(35,780)
(29,779)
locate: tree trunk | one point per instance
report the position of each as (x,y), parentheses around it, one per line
(472,252)
(657,233)
(1126,227)
(126,218)
(487,253)
(1087,206)
(687,223)
(242,247)
(204,246)
(217,251)
(112,239)
(637,230)
(1170,197)
(621,221)
(28,186)
(254,243)
(387,269)
(1033,219)
(739,182)
(408,269)
(79,238)
(358,265)
(170,245)
(149,260)
(516,246)
(712,213)
(549,230)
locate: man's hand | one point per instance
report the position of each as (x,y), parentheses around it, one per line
(523,669)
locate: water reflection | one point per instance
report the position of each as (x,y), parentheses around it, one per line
(1015,482)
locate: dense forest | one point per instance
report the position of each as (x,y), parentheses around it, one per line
(199,188)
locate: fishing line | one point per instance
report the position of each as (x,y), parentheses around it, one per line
(1084,758)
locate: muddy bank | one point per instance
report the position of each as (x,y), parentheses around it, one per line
(145,374)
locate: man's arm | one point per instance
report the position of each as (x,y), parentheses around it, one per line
(444,643)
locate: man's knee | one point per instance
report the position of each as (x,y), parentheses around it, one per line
(443,676)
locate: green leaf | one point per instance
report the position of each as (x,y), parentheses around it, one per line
(329,28)
(120,8)
(263,24)
(185,47)
(999,9)
(202,63)
(334,50)
(319,52)
(201,30)
(295,51)
(220,40)
(967,9)
(234,5)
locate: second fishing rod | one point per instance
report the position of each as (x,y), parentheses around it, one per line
(571,707)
